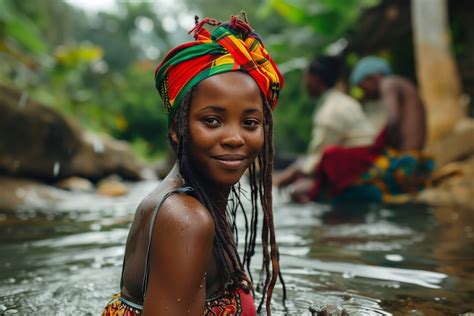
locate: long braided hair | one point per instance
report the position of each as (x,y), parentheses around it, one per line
(225,245)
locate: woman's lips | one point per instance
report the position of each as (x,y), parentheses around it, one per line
(231,161)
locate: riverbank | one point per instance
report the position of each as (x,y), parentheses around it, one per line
(44,156)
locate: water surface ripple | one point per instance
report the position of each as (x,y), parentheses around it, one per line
(65,258)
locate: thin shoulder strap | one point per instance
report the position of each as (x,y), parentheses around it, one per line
(150,233)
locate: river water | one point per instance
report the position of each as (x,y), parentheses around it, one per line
(65,258)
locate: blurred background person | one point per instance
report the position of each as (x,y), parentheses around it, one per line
(338,119)
(406,119)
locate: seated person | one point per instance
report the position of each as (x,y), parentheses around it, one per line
(337,120)
(393,164)
(406,118)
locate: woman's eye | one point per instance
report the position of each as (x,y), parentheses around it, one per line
(252,123)
(211,121)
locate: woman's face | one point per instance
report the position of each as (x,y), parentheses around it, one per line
(226,127)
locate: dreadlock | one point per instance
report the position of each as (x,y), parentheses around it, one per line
(225,246)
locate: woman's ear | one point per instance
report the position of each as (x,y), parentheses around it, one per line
(173,134)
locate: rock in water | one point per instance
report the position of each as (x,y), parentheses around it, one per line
(38,142)
(328,310)
(75,184)
(111,187)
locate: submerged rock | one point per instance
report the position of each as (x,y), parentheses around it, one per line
(75,184)
(111,186)
(328,310)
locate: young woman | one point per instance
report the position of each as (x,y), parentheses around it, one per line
(181,254)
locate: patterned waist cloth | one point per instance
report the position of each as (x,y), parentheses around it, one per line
(369,173)
(236,303)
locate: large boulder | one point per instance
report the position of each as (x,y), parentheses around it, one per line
(38,142)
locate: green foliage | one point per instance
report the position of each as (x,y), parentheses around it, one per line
(143,114)
(222,10)
(293,116)
(72,56)
(26,34)
(89,68)
(328,19)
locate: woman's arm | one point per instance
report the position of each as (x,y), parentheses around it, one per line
(181,249)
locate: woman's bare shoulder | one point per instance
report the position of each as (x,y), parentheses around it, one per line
(184,213)
(155,197)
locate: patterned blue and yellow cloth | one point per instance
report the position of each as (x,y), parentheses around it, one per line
(370,173)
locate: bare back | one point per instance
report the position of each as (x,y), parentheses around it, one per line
(180,252)
(406,113)
(136,247)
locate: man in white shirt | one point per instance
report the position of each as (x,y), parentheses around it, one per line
(338,120)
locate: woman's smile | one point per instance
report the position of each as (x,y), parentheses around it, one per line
(231,161)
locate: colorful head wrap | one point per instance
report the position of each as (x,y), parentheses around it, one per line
(230,47)
(367,66)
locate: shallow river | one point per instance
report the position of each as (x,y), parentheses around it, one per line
(65,259)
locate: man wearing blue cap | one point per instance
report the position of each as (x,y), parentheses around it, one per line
(406,121)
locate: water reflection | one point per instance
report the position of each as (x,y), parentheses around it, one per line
(369,259)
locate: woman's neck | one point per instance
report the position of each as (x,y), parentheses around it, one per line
(218,194)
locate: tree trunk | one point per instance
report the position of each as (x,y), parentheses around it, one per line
(437,72)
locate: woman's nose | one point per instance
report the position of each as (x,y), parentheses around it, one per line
(233,136)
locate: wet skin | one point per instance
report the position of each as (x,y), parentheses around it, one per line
(226,129)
